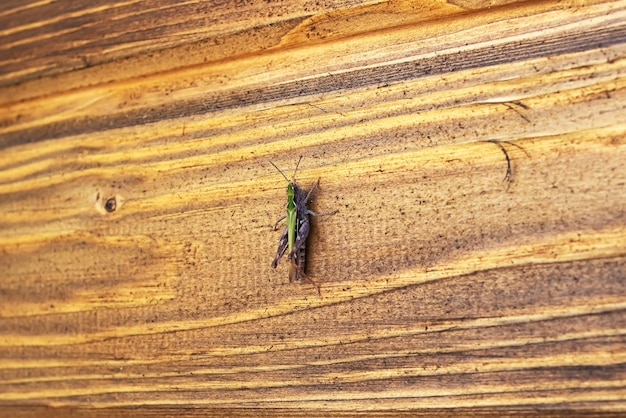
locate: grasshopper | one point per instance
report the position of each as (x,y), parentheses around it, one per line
(293,239)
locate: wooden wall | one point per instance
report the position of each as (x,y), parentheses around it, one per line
(474,152)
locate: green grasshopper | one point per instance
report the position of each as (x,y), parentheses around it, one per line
(293,239)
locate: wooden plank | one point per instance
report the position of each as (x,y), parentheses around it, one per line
(476,263)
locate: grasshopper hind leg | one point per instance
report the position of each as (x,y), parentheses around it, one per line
(302,276)
(296,268)
(282,247)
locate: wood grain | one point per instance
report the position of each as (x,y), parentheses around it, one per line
(474,153)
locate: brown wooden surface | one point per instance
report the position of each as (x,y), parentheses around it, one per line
(137,204)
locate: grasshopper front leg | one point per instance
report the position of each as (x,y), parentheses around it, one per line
(310,212)
(279,220)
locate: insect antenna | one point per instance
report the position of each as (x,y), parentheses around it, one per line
(280,171)
(293,177)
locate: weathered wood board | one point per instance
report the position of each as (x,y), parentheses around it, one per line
(475,153)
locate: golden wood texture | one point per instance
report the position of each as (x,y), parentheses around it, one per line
(137,206)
